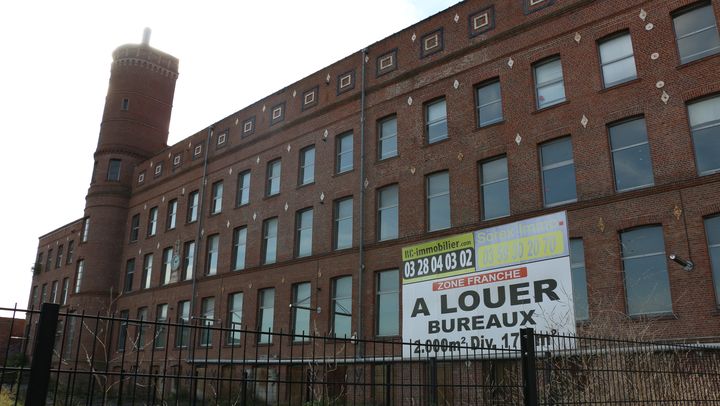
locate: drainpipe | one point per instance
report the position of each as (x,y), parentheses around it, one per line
(198,237)
(361,244)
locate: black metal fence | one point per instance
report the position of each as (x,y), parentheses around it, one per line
(77,359)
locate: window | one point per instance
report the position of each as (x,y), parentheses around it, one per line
(494,188)
(243,189)
(631,155)
(549,87)
(125,105)
(192,211)
(342,307)
(166,270)
(387,138)
(142,316)
(86,229)
(129,275)
(213,245)
(188,260)
(266,310)
(70,252)
(301,302)
(182,334)
(387,216)
(579,279)
(34,297)
(207,308)
(53,292)
(65,291)
(160,334)
(387,304)
(43,293)
(147,271)
(79,274)
(269,243)
(307,165)
(152,221)
(171,214)
(239,246)
(304,231)
(489,104)
(646,277)
(273,178)
(438,201)
(712,231)
(343,212)
(436,121)
(122,330)
(617,60)
(344,150)
(217,193)
(704,118)
(558,172)
(38,263)
(134,227)
(48,261)
(234,317)
(113,174)
(58,258)
(696,33)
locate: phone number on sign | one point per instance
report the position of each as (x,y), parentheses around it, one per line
(439,263)
(521,250)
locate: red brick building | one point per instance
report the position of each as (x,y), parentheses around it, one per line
(483,114)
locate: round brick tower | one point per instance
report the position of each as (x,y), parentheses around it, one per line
(134,128)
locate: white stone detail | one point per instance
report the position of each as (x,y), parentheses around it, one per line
(182,192)
(584,121)
(145,206)
(254,216)
(643,14)
(366,183)
(510,63)
(257,161)
(414,37)
(322,196)
(325,134)
(286,206)
(163,199)
(654,56)
(367,58)
(228,224)
(412,170)
(289,148)
(327,78)
(660,84)
(578,37)
(230,171)
(140,252)
(294,93)
(263,109)
(518,139)
(649,26)
(456,84)
(237,120)
(169,154)
(457,18)
(157,246)
(409,101)
(665,97)
(202,233)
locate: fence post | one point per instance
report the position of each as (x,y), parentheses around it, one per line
(433,382)
(42,355)
(527,350)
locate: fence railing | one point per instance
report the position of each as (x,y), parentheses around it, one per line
(79,359)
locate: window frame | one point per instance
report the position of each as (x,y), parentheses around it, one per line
(478,107)
(193,210)
(604,41)
(265,336)
(341,153)
(217,197)
(382,138)
(303,231)
(428,123)
(212,254)
(484,184)
(152,221)
(239,247)
(266,238)
(428,199)
(235,308)
(271,179)
(688,9)
(337,222)
(613,150)
(243,198)
(578,268)
(171,221)
(304,167)
(382,210)
(703,126)
(556,165)
(300,305)
(538,86)
(334,299)
(379,293)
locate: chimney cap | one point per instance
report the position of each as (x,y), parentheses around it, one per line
(146,36)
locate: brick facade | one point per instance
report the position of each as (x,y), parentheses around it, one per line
(281,125)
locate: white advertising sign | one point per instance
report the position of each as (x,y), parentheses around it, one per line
(520,279)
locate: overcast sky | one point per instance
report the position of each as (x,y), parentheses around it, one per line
(55,67)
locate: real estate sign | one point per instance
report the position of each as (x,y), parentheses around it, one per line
(478,289)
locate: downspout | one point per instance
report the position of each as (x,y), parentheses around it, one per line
(198,237)
(361,243)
